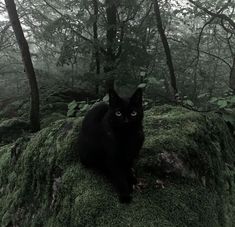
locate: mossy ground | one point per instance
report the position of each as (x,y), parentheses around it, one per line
(43,184)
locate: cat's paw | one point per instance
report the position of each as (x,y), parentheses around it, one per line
(125,199)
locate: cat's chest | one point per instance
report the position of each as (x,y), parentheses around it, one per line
(126,140)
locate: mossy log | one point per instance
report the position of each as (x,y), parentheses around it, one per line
(43,184)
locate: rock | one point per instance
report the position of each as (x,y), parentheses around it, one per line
(46,185)
(12,129)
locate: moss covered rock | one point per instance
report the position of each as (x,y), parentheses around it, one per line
(43,184)
(12,129)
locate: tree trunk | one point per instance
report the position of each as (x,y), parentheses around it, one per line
(72,77)
(96,42)
(26,58)
(111,13)
(95,36)
(232,76)
(166,48)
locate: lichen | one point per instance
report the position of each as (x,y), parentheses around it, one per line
(45,185)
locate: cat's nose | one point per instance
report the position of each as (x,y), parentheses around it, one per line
(126,120)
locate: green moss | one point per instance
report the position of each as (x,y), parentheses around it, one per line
(46,186)
(12,129)
(51,118)
(202,141)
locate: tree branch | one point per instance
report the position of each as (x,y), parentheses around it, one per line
(217,14)
(205,52)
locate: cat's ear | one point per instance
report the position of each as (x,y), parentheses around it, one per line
(113,97)
(136,98)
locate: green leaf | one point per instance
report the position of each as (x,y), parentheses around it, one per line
(71,113)
(232,99)
(106,98)
(85,108)
(188,102)
(213,100)
(143,85)
(72,105)
(153,80)
(222,103)
(72,108)
(202,95)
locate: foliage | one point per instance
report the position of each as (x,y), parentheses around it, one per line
(60,34)
(223,102)
(72,109)
(78,108)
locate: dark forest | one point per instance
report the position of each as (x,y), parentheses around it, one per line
(117,113)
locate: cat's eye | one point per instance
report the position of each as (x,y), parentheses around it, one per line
(133,113)
(118,113)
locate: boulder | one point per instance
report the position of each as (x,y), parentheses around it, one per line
(187,162)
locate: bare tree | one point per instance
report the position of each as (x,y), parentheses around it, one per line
(28,65)
(96,41)
(167,49)
(230,28)
(111,14)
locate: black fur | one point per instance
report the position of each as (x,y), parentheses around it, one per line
(110,142)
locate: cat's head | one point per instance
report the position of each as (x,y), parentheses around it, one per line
(126,111)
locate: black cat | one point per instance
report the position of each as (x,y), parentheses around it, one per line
(111,138)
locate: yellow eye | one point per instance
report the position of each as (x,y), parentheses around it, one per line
(118,113)
(133,113)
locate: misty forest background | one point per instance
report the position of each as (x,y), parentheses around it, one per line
(59,57)
(179,51)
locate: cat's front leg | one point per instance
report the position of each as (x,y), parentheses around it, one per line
(119,179)
(124,190)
